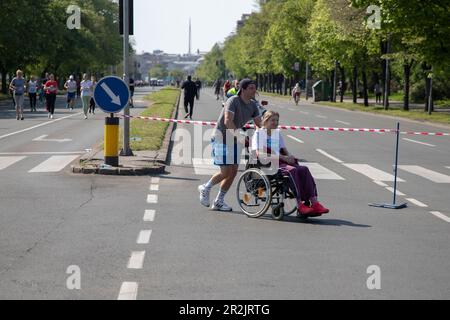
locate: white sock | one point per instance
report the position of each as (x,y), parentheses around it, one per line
(221,196)
(209,185)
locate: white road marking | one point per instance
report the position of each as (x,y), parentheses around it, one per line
(291,109)
(40,153)
(423,143)
(417,202)
(321,117)
(5,162)
(321,173)
(136,260)
(128,291)
(343,122)
(38,126)
(144,237)
(53,164)
(155,180)
(381,184)
(42,139)
(152,198)
(427,174)
(371,172)
(441,216)
(154,187)
(296,139)
(304,112)
(206,167)
(399,193)
(329,156)
(149,215)
(448,167)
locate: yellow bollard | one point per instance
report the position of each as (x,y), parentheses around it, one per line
(112,141)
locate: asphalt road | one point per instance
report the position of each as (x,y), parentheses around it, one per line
(149,238)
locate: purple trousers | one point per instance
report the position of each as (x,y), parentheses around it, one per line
(303,180)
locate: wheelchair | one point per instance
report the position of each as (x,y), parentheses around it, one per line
(257,192)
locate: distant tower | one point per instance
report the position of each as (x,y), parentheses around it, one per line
(190,37)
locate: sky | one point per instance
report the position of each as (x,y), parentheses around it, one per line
(164,24)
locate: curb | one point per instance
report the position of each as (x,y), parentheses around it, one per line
(155,168)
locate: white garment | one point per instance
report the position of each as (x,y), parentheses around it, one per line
(261,141)
(86,88)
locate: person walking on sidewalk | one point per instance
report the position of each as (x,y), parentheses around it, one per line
(51,90)
(17,86)
(32,92)
(86,94)
(198,83)
(71,87)
(92,101)
(190,91)
(226,150)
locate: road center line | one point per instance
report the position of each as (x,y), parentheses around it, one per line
(329,156)
(152,198)
(149,215)
(419,142)
(417,203)
(343,122)
(128,291)
(155,180)
(38,126)
(136,260)
(296,139)
(144,237)
(399,193)
(441,216)
(154,187)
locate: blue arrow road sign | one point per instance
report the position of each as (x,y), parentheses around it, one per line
(111,94)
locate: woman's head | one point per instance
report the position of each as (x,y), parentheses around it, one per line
(19,73)
(85,76)
(270,119)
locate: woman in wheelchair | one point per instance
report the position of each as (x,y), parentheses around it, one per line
(268,140)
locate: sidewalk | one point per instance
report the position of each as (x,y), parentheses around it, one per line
(142,163)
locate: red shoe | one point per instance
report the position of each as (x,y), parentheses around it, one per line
(319,209)
(304,210)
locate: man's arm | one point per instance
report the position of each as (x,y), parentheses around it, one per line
(229,123)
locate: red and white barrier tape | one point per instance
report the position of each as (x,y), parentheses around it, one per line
(296,128)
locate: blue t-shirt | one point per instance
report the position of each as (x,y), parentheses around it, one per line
(19,84)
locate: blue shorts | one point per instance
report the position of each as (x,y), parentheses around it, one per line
(71,96)
(226,154)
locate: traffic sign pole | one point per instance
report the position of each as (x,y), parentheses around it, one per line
(126,151)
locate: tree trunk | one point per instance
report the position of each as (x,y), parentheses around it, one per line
(355,86)
(3,73)
(365,92)
(343,86)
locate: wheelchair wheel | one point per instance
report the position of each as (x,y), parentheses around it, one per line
(278,212)
(254,193)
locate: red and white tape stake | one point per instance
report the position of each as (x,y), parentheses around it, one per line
(296,128)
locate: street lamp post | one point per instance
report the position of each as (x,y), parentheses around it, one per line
(126,151)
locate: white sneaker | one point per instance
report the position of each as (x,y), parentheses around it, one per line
(51,116)
(221,207)
(85,117)
(204,195)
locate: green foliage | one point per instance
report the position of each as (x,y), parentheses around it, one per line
(34,36)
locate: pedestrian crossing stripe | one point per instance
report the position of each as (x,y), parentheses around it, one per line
(372,173)
(5,162)
(207,167)
(426,173)
(53,164)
